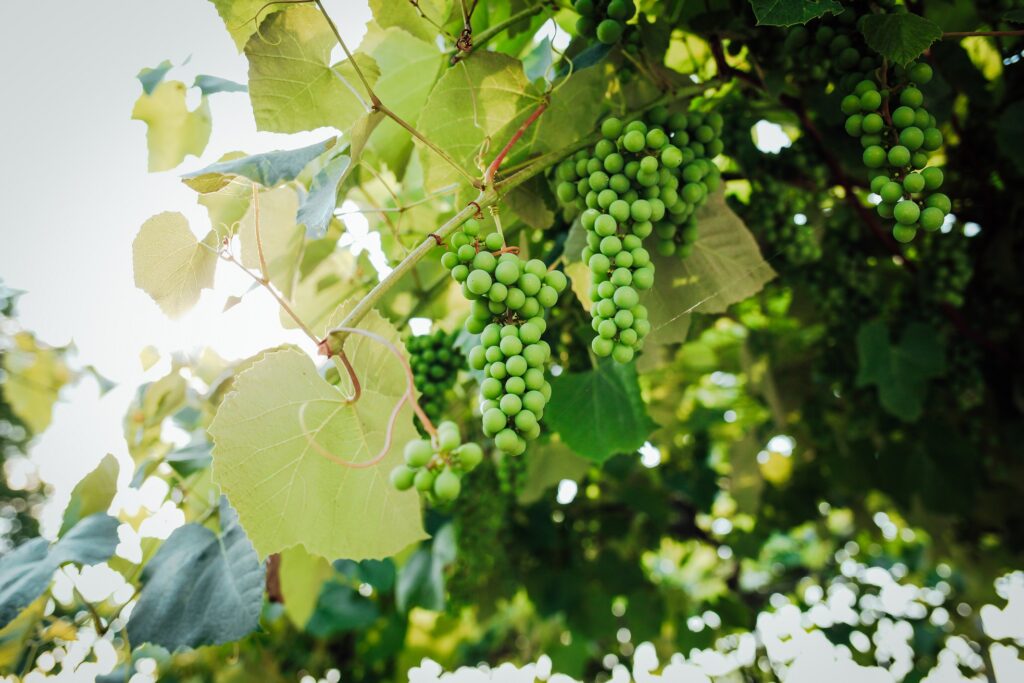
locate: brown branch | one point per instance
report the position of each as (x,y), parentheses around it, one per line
(964,34)
(274,593)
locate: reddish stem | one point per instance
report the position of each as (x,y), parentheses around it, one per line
(493,168)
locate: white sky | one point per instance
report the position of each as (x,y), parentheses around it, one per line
(74,189)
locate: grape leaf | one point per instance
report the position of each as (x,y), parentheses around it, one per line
(213,84)
(292,84)
(26,571)
(725,267)
(92,494)
(284,490)
(152,77)
(599,413)
(901,38)
(201,588)
(35,375)
(172,131)
(170,264)
(900,371)
(318,205)
(421,578)
(302,578)
(575,107)
(341,609)
(409,67)
(472,102)
(789,12)
(280,236)
(547,465)
(242,17)
(267,169)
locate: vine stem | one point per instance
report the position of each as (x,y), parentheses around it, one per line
(965,34)
(489,33)
(259,240)
(493,168)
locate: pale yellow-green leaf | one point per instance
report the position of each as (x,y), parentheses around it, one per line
(580,279)
(170,264)
(285,490)
(14,635)
(470,106)
(984,55)
(173,132)
(280,236)
(35,376)
(409,66)
(725,267)
(148,357)
(242,17)
(302,576)
(292,84)
(227,205)
(317,295)
(389,13)
(92,494)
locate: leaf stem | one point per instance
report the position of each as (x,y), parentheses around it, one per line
(493,168)
(381,107)
(259,241)
(355,64)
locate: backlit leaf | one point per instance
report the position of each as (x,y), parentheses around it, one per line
(170,264)
(172,131)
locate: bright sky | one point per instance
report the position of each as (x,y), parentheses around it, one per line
(74,191)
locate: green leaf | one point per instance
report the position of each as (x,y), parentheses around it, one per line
(35,374)
(213,84)
(599,413)
(403,15)
(267,169)
(1014,15)
(200,588)
(901,371)
(152,77)
(240,17)
(280,483)
(318,205)
(92,494)
(341,609)
(302,578)
(725,267)
(292,84)
(170,264)
(280,236)
(26,571)
(473,101)
(421,578)
(409,67)
(901,38)
(172,131)
(789,12)
(547,465)
(575,107)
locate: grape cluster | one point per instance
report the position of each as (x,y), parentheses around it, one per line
(777,213)
(897,141)
(604,19)
(435,467)
(642,177)
(831,49)
(435,366)
(509,297)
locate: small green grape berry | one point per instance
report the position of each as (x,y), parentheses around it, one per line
(903,117)
(911,97)
(424,480)
(611,127)
(932,139)
(912,138)
(914,183)
(873,123)
(402,477)
(622,353)
(899,156)
(609,31)
(939,201)
(870,100)
(506,440)
(932,218)
(418,453)
(891,193)
(855,125)
(874,156)
(932,177)
(447,485)
(850,105)
(921,73)
(602,347)
(907,212)
(904,233)
(634,141)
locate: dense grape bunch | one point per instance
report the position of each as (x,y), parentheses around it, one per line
(605,20)
(435,365)
(509,297)
(898,135)
(641,178)
(777,213)
(435,466)
(831,49)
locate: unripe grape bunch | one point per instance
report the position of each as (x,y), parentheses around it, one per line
(509,296)
(898,136)
(641,178)
(435,366)
(604,19)
(435,466)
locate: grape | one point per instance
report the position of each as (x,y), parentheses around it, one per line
(435,365)
(436,467)
(907,212)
